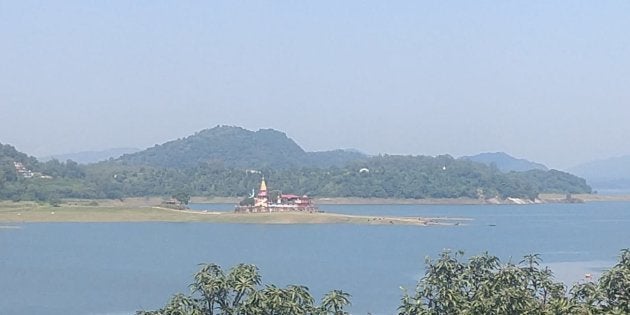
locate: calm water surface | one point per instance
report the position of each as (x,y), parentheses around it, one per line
(117,268)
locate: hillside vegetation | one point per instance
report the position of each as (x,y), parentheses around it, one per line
(41,181)
(230,161)
(87,157)
(381,177)
(235,147)
(505,162)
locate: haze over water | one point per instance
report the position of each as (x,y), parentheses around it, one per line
(118,268)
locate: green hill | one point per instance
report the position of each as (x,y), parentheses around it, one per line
(87,157)
(239,148)
(229,161)
(505,162)
(23,177)
(388,176)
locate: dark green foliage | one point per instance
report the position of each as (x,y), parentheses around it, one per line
(56,169)
(50,181)
(386,176)
(9,155)
(182,197)
(240,292)
(235,147)
(504,162)
(555,181)
(483,285)
(247,202)
(451,285)
(324,159)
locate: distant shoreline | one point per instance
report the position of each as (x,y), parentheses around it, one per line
(146,210)
(31,212)
(543,198)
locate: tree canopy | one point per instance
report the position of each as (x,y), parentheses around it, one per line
(240,292)
(481,284)
(384,176)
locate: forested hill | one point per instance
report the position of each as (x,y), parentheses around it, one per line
(239,148)
(505,162)
(388,176)
(385,176)
(23,177)
(87,157)
(8,155)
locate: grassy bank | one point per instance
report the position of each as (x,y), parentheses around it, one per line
(137,211)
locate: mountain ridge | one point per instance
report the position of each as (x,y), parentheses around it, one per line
(505,162)
(90,156)
(237,147)
(220,162)
(611,174)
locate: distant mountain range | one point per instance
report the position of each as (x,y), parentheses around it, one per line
(229,161)
(230,146)
(505,162)
(236,147)
(87,157)
(240,148)
(608,175)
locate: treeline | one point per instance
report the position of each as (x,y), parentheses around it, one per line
(451,285)
(382,177)
(386,176)
(41,181)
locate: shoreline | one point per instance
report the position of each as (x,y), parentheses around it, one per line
(28,212)
(543,198)
(145,209)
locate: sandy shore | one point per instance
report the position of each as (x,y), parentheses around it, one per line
(545,198)
(144,210)
(76,212)
(585,197)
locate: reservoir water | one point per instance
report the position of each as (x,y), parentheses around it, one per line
(118,268)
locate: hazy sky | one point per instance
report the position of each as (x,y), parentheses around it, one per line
(544,80)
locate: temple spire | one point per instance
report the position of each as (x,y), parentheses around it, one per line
(263,185)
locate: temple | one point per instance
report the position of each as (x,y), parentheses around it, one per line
(275,202)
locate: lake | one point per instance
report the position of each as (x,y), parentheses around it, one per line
(118,268)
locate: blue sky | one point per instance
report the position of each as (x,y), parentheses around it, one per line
(543,80)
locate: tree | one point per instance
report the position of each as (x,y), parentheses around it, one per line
(614,286)
(237,293)
(480,285)
(182,197)
(485,286)
(335,301)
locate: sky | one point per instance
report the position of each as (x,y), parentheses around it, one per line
(544,80)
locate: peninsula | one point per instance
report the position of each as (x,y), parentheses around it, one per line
(139,210)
